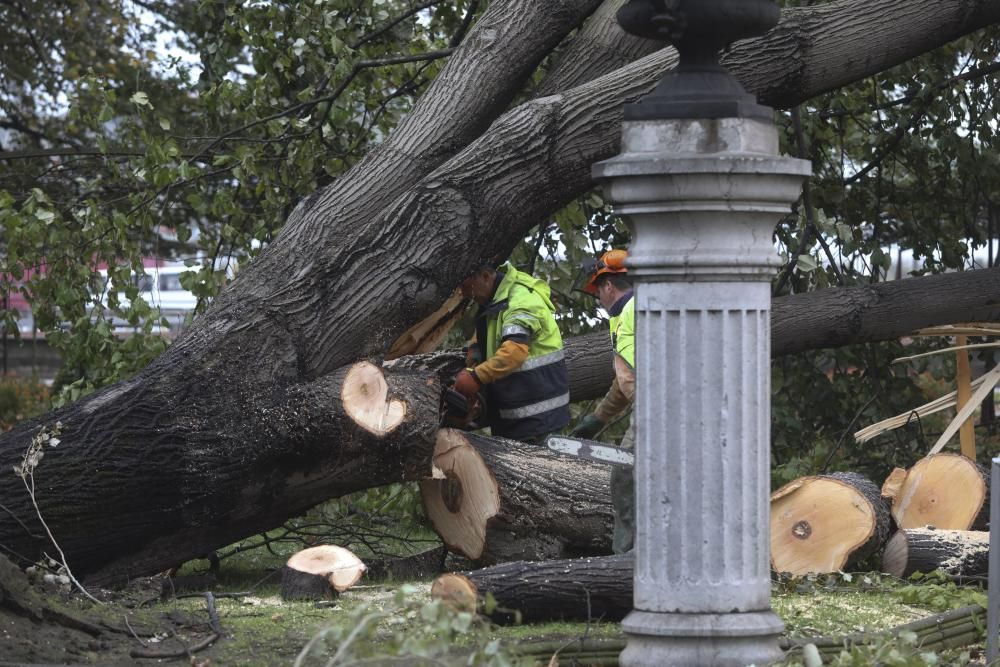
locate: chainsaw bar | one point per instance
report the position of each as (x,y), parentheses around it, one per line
(590,450)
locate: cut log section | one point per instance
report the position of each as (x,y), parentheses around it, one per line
(570,589)
(941,490)
(457,591)
(366,399)
(826,523)
(954,552)
(320,573)
(495,500)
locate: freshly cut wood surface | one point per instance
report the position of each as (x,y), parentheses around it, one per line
(456,590)
(339,566)
(460,505)
(824,522)
(955,552)
(366,399)
(495,500)
(941,490)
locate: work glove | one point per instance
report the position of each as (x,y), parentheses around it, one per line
(466,383)
(587,427)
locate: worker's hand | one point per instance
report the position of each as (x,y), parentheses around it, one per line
(466,383)
(587,427)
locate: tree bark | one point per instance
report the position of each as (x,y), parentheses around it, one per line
(954,552)
(237,426)
(497,500)
(826,523)
(149,475)
(580,589)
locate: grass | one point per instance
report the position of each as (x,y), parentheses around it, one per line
(263,630)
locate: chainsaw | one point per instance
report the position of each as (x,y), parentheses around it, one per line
(459,410)
(590,450)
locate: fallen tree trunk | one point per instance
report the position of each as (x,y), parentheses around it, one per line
(496,500)
(954,552)
(883,311)
(826,523)
(946,490)
(579,589)
(219,475)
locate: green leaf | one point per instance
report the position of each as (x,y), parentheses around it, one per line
(806,263)
(141,99)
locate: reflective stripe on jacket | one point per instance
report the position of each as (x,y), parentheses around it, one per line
(533,400)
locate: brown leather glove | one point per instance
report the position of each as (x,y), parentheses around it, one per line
(466,383)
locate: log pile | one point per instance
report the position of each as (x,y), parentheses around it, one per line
(829,523)
(494,500)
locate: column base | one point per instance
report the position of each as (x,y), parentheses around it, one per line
(659,639)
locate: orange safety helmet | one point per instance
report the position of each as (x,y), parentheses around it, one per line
(613,261)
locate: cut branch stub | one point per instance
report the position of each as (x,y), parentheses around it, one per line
(942,490)
(366,400)
(954,552)
(457,591)
(460,505)
(820,524)
(320,572)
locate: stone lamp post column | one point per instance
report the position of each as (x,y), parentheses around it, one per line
(701,185)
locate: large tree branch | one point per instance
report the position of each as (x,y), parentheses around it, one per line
(478,83)
(832,317)
(543,151)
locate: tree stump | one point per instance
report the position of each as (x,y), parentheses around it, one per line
(954,552)
(942,490)
(496,500)
(320,573)
(578,589)
(826,523)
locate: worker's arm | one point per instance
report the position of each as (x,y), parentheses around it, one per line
(621,394)
(509,357)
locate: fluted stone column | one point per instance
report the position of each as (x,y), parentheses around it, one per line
(701,197)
